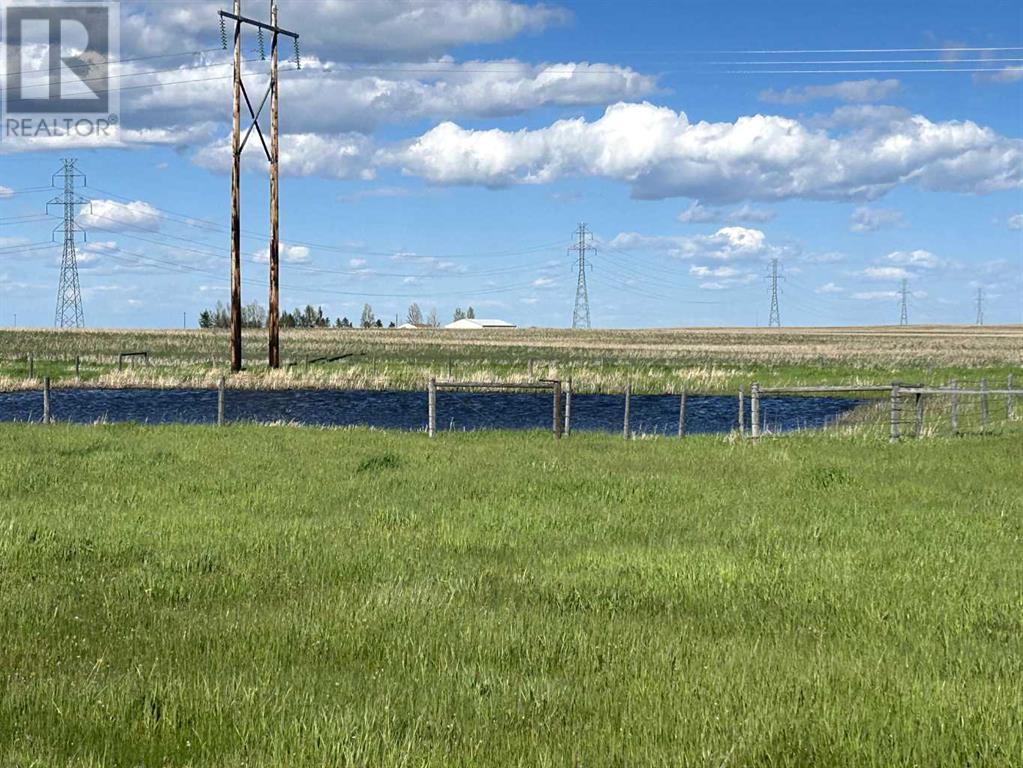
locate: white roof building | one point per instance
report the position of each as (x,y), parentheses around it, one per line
(476,324)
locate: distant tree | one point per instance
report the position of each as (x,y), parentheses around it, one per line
(433,321)
(470,313)
(253,316)
(368,318)
(205,319)
(344,322)
(287,320)
(379,323)
(221,317)
(459,314)
(415,314)
(391,325)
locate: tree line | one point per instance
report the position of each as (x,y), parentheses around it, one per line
(254,315)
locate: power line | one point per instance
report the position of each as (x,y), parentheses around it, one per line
(581,313)
(210,226)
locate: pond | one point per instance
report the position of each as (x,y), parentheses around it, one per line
(401,410)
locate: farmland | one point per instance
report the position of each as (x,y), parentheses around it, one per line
(500,599)
(702,359)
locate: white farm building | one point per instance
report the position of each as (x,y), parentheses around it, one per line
(477,324)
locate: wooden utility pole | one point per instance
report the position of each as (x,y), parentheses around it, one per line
(273,154)
(236,184)
(274,355)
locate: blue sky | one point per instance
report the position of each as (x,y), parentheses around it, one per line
(444,153)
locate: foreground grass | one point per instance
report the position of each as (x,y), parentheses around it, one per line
(293,597)
(708,360)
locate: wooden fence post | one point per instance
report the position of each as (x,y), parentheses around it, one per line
(628,406)
(568,408)
(742,413)
(46,400)
(431,408)
(682,415)
(31,366)
(983,405)
(558,425)
(1010,400)
(754,414)
(894,438)
(918,422)
(221,406)
(954,411)
(78,369)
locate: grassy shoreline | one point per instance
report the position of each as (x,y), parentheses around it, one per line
(494,599)
(710,361)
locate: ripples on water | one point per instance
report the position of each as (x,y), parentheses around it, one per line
(650,414)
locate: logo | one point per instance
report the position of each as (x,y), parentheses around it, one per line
(57,82)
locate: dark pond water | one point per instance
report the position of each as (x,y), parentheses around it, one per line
(650,414)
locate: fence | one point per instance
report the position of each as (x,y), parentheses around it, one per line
(897,411)
(964,410)
(558,427)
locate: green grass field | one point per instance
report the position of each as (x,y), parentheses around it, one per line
(188,596)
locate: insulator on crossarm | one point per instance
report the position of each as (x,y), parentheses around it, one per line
(262,45)
(298,55)
(223,34)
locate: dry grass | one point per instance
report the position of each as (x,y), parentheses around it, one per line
(666,360)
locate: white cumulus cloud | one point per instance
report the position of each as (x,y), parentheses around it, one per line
(885,273)
(828,288)
(116,216)
(290,254)
(865,219)
(847,90)
(660,153)
(917,258)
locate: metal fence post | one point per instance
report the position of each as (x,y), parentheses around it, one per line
(682,415)
(220,402)
(895,414)
(431,408)
(558,425)
(918,423)
(754,414)
(1010,400)
(983,405)
(46,400)
(568,408)
(742,413)
(954,410)
(628,405)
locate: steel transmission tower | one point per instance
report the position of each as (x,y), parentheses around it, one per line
(774,321)
(904,303)
(581,314)
(980,305)
(69,312)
